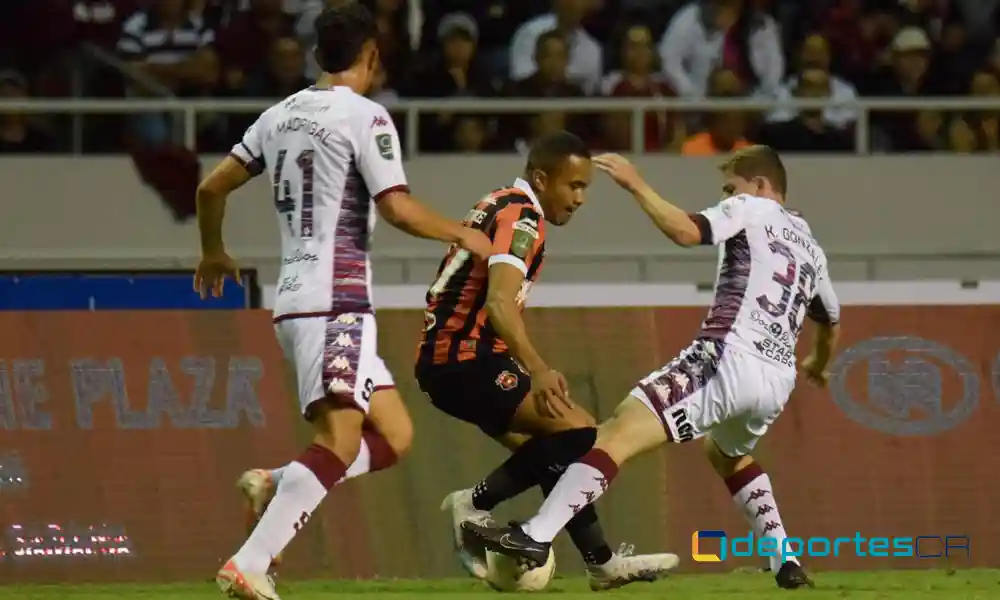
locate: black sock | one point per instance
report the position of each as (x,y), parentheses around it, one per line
(529,463)
(584,528)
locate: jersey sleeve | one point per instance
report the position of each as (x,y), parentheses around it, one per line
(249,152)
(379,154)
(825,306)
(722,221)
(519,236)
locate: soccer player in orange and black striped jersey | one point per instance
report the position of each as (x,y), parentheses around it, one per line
(457,327)
(477,363)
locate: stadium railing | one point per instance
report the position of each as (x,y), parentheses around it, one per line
(189,109)
(417,267)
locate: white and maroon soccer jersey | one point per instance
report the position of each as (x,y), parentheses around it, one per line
(330,154)
(772,273)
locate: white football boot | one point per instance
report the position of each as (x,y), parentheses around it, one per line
(245,586)
(471,555)
(625,568)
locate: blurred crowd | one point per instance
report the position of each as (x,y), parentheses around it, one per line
(761,49)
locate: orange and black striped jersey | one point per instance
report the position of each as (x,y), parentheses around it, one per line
(456,326)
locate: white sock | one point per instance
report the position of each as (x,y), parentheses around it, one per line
(299,493)
(361,465)
(755,499)
(581,484)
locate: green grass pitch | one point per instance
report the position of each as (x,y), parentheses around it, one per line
(978,584)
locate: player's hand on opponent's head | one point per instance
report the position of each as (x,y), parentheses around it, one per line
(620,169)
(476,242)
(814,371)
(211,274)
(550,393)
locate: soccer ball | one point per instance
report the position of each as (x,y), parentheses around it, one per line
(505,575)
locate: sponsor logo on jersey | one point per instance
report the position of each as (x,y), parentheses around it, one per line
(379,121)
(384,143)
(300,257)
(683,428)
(528,226)
(506,381)
(523,238)
(475,217)
(289,284)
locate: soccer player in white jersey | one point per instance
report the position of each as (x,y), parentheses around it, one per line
(333,159)
(734,380)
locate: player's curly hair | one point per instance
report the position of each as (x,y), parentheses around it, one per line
(758,161)
(342,30)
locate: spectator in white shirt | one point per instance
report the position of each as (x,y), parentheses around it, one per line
(711,34)
(585,54)
(815,54)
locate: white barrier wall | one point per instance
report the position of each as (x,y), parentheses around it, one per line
(859,293)
(917,209)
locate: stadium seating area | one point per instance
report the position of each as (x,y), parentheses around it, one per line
(764,49)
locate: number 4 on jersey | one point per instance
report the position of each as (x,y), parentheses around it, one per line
(285,201)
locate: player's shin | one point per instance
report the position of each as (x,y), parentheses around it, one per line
(538,459)
(304,484)
(754,497)
(582,483)
(631,431)
(584,529)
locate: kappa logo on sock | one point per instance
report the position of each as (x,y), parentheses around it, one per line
(506,381)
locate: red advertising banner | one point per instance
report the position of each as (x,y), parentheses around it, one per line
(122,433)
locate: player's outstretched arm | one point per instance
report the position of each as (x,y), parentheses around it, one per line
(674,222)
(404,212)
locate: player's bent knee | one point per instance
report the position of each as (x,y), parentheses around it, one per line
(339,430)
(400,438)
(576,418)
(723,463)
(530,420)
(388,414)
(512,441)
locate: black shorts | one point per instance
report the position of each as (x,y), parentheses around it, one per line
(484,392)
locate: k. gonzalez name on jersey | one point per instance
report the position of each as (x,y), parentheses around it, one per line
(772,274)
(329,154)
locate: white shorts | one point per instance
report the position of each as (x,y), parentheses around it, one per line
(334,357)
(718,389)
